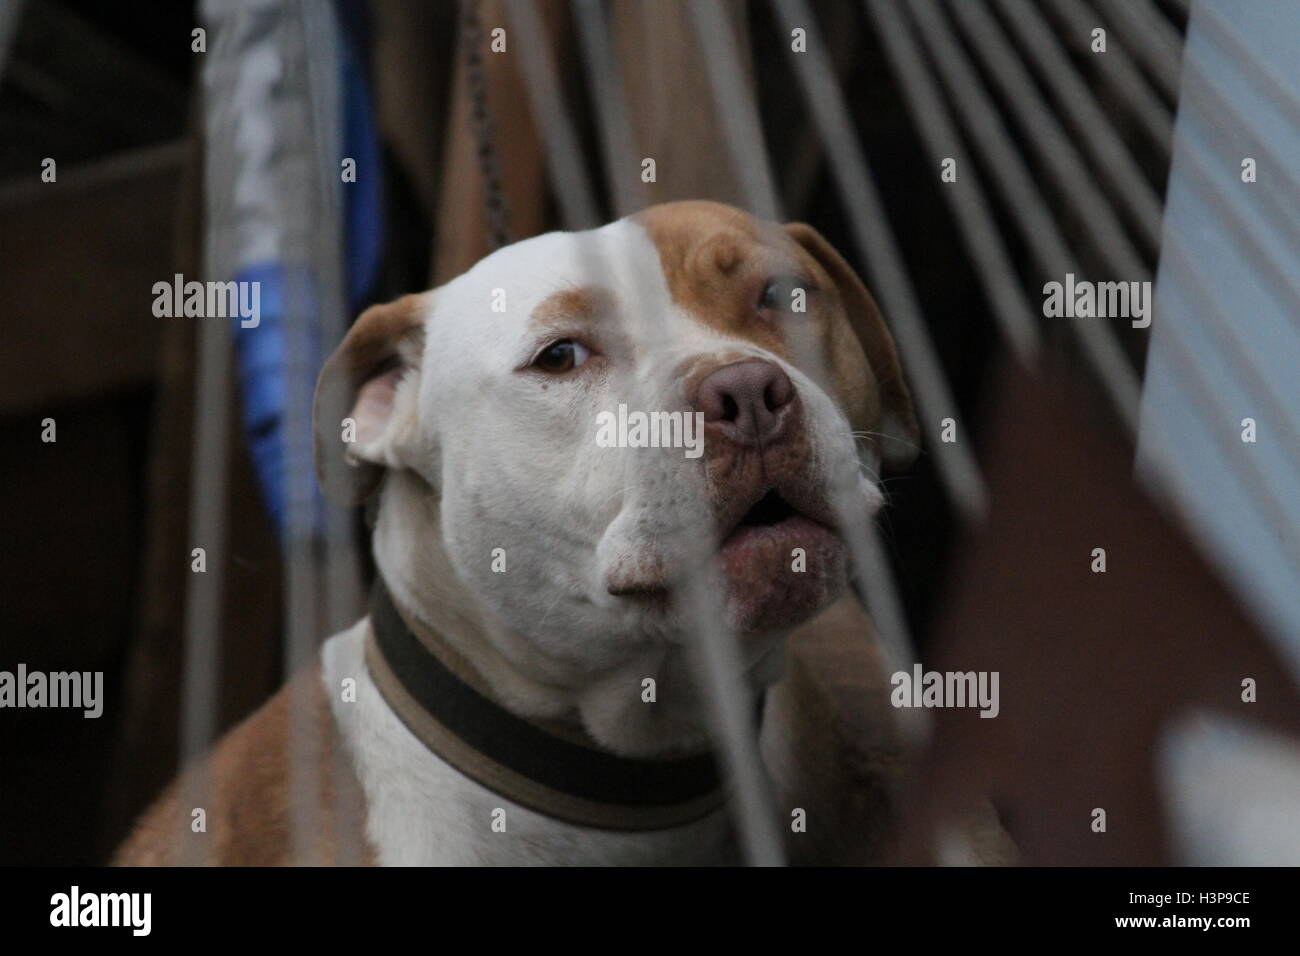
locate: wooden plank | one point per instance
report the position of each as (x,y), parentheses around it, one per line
(462,237)
(671,105)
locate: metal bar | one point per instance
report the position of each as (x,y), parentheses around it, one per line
(1095,128)
(1121,73)
(1142,28)
(201,669)
(302,43)
(338,563)
(1092,128)
(872,574)
(740,115)
(616,134)
(1048,140)
(870,226)
(720,661)
(209,488)
(1044,240)
(965,197)
(209,472)
(1075,180)
(738,111)
(1072,175)
(733,100)
(731,716)
(563,155)
(1169,476)
(879,589)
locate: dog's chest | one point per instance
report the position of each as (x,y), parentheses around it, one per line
(421,811)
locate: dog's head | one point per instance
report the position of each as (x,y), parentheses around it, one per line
(524,394)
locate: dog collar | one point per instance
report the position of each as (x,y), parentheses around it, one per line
(558,771)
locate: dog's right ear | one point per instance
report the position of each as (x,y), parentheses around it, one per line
(358,424)
(898,427)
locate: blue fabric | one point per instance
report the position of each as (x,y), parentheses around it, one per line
(363,200)
(261,350)
(260,355)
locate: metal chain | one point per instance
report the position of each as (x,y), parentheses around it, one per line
(480,116)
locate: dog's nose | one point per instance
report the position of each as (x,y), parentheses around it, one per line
(749,402)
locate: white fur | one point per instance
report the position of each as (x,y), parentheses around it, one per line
(421,811)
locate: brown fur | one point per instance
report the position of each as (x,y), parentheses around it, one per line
(716,260)
(713,258)
(836,754)
(249,807)
(582,303)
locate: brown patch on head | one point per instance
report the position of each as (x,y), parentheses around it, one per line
(582,302)
(715,261)
(718,259)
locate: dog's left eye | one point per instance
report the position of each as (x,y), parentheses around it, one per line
(784,294)
(562,356)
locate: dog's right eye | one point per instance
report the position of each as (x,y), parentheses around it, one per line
(783,294)
(562,356)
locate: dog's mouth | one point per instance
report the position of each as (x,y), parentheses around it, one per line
(780,559)
(773,517)
(771,509)
(775,511)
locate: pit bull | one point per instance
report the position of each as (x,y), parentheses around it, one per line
(526,687)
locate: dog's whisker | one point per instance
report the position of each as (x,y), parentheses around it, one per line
(558,598)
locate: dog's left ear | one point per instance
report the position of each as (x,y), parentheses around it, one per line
(901,439)
(358,424)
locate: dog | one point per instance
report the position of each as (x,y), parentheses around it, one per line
(526,688)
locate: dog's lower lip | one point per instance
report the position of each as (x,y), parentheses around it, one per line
(795,523)
(777,572)
(759,519)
